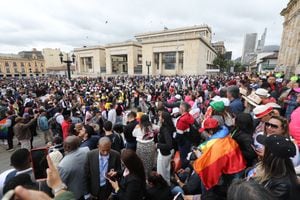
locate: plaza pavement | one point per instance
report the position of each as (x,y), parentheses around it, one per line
(5,155)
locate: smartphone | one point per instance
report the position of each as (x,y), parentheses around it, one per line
(39,163)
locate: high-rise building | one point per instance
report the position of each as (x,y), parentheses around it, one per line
(289,53)
(249,47)
(261,42)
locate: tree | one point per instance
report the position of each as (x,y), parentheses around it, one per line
(221,62)
(238,67)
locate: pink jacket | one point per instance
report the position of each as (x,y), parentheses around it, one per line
(294,125)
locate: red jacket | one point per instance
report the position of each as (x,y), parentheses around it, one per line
(65,126)
(184,122)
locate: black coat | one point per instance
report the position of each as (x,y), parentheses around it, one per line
(165,144)
(282,188)
(159,192)
(245,140)
(92,170)
(128,129)
(131,187)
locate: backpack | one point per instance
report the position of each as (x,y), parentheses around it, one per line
(43,124)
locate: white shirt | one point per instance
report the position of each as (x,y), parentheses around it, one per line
(112,116)
(59,118)
(2,180)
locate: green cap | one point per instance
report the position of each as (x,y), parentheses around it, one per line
(278,75)
(294,78)
(217,106)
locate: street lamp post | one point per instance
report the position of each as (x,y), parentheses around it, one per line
(148,63)
(68,62)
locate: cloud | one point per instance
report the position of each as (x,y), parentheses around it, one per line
(67,24)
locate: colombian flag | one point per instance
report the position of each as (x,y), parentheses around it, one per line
(220,155)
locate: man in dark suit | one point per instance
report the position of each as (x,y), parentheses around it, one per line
(102,162)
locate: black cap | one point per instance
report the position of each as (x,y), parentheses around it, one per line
(279,145)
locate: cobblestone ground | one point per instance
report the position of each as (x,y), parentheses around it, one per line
(5,155)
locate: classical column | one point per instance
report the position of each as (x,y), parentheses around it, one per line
(160,64)
(177,63)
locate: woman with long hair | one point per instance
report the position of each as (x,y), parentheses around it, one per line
(165,145)
(145,132)
(243,135)
(133,182)
(276,171)
(278,125)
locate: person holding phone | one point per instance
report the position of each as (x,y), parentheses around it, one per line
(133,182)
(54,181)
(101,163)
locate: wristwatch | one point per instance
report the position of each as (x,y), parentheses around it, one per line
(61,187)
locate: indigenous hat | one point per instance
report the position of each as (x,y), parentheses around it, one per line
(56,157)
(177,96)
(297,90)
(175,110)
(273,105)
(243,91)
(209,123)
(279,145)
(262,92)
(253,99)
(218,106)
(261,110)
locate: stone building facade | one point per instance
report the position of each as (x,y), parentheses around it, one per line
(123,58)
(182,51)
(289,54)
(23,64)
(90,61)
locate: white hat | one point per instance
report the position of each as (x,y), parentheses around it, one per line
(262,92)
(261,111)
(225,101)
(273,105)
(177,96)
(175,110)
(216,98)
(56,157)
(253,99)
(243,91)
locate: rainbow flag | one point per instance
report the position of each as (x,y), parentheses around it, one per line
(3,129)
(220,155)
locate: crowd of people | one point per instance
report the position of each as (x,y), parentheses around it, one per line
(157,138)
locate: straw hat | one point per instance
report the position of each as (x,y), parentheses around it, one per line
(261,111)
(253,99)
(262,92)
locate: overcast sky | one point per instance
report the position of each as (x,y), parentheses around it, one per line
(66,24)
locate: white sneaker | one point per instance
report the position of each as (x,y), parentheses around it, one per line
(5,142)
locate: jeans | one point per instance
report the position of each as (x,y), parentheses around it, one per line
(176,190)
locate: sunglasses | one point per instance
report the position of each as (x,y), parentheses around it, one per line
(267,124)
